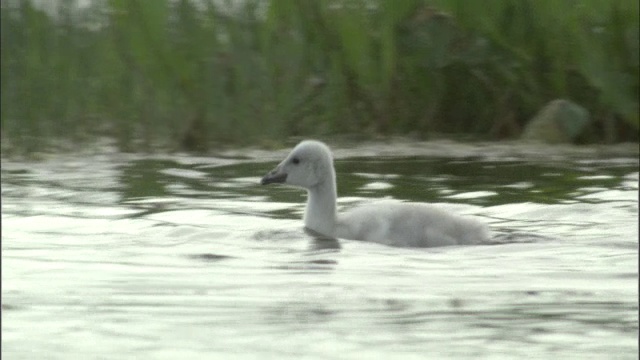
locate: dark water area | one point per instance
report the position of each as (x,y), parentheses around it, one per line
(113,255)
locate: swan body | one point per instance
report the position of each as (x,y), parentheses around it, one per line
(310,166)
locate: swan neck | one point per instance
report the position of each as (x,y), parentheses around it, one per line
(320,214)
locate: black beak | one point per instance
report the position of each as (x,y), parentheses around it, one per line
(274,177)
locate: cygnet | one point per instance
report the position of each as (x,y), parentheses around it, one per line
(310,166)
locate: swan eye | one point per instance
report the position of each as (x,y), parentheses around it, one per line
(295,161)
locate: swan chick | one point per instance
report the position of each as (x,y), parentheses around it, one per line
(310,166)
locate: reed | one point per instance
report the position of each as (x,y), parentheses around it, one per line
(187,74)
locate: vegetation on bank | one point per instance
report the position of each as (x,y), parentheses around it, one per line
(186,73)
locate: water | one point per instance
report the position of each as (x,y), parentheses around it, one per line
(115,256)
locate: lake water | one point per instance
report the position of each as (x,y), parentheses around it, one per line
(117,256)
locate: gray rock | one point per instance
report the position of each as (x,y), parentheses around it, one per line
(560,121)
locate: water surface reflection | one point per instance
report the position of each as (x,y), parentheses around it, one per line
(164,257)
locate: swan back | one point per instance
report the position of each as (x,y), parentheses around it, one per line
(409,225)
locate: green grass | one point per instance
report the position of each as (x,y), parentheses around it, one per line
(180,75)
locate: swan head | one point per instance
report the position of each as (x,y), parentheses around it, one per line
(308,165)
